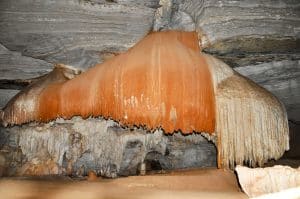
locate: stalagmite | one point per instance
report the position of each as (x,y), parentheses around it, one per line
(165,82)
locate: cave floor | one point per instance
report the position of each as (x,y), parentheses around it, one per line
(196,183)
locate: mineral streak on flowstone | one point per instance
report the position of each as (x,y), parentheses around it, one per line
(75,147)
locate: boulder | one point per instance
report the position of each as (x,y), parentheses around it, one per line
(261,181)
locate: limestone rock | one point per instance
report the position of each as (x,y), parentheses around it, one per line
(14,66)
(75,147)
(169,17)
(147,3)
(245,32)
(6,95)
(260,181)
(182,21)
(239,32)
(72,32)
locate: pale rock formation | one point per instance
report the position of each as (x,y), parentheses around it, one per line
(293,193)
(260,181)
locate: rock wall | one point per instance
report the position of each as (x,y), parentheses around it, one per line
(73,32)
(244,32)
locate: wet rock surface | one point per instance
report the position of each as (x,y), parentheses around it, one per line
(74,147)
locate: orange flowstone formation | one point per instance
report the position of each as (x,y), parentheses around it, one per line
(163,81)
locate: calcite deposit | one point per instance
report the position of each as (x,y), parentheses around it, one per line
(261,181)
(75,147)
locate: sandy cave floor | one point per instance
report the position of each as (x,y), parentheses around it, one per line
(197,183)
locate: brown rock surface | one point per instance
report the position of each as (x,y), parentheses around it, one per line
(206,183)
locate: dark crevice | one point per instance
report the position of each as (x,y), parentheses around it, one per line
(294,122)
(240,60)
(17,84)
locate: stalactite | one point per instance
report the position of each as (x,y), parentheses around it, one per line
(251,124)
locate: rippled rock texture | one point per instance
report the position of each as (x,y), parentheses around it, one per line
(247,32)
(73,32)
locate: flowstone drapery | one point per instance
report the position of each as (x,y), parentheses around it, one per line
(165,82)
